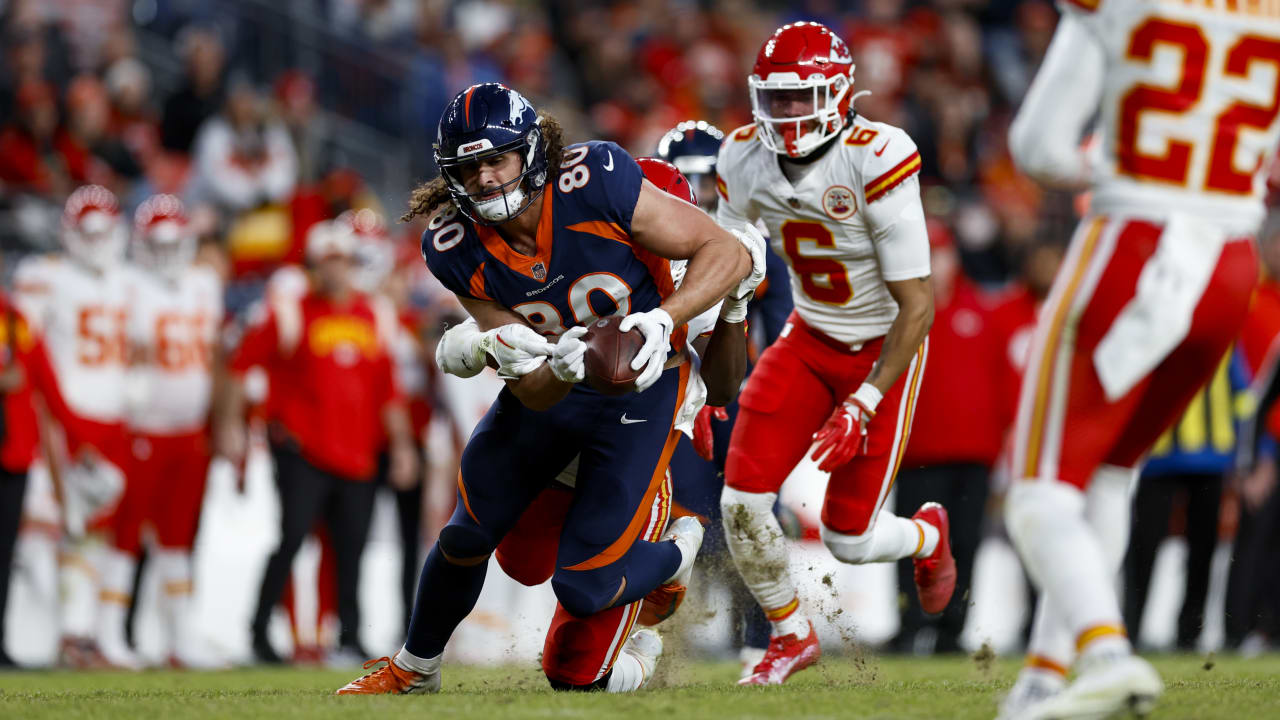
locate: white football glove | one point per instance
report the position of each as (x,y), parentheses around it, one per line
(568,359)
(734,309)
(460,351)
(517,348)
(656,326)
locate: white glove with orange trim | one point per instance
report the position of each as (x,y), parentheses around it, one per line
(518,349)
(845,434)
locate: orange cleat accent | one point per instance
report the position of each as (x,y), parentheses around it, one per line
(661,603)
(786,656)
(935,575)
(390,679)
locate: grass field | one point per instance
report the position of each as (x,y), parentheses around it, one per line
(874,687)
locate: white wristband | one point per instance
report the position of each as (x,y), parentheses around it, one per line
(868,395)
(734,310)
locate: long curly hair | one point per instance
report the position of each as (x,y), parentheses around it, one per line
(430,195)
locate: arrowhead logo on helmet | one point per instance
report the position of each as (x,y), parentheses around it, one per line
(801,88)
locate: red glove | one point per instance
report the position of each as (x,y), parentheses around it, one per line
(845,434)
(703,439)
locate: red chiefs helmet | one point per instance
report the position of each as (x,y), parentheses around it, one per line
(667,178)
(162,238)
(92,230)
(801,88)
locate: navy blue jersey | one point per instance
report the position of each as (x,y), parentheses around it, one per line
(586,265)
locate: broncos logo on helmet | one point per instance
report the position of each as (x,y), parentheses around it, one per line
(484,121)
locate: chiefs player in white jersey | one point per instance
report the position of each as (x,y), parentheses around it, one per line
(172,333)
(1154,289)
(80,300)
(840,197)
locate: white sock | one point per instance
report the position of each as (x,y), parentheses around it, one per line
(78,585)
(174,570)
(406,660)
(759,550)
(1063,554)
(1051,644)
(890,538)
(116,573)
(627,676)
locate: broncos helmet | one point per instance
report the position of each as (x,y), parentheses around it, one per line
(692,146)
(484,121)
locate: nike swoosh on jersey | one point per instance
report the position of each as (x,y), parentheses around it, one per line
(609,165)
(629,421)
(882,147)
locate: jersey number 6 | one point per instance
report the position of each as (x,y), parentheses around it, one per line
(824,279)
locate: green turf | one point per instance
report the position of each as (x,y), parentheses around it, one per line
(875,687)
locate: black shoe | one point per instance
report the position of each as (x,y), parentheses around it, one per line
(6,662)
(263,653)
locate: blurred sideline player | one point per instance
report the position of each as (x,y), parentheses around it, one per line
(579,652)
(840,197)
(336,402)
(379,275)
(697,466)
(172,331)
(1155,287)
(530,234)
(80,301)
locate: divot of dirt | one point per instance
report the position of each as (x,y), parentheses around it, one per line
(984,658)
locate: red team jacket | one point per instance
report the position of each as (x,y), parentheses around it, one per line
(964,406)
(330,384)
(21,442)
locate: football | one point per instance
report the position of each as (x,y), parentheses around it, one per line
(609,355)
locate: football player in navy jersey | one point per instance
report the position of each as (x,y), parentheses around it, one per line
(538,240)
(584,652)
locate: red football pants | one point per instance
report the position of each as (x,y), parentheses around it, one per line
(1066,426)
(165,490)
(112,442)
(577,651)
(790,395)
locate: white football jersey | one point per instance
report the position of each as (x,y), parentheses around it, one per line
(852,223)
(1187,96)
(174,327)
(84,317)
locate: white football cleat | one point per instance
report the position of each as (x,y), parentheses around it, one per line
(1032,686)
(663,601)
(686,532)
(1104,688)
(645,646)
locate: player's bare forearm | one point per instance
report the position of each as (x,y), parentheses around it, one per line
(915,317)
(715,269)
(540,390)
(724,362)
(674,229)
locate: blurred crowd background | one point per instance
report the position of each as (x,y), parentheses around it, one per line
(269,116)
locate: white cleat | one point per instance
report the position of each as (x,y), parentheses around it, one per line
(1105,688)
(119,656)
(1032,686)
(645,646)
(663,601)
(686,532)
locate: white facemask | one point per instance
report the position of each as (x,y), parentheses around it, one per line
(500,208)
